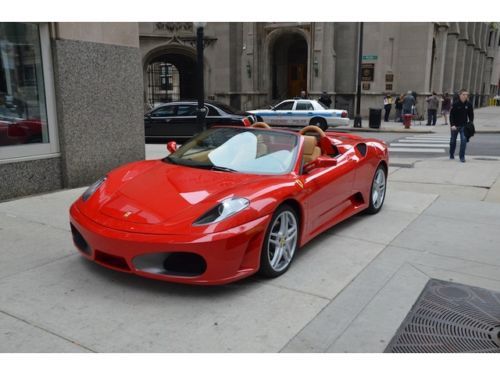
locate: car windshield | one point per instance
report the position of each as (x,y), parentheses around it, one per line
(251,151)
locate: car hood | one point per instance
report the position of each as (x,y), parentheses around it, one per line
(170,193)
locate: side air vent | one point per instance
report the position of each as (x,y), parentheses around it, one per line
(361,147)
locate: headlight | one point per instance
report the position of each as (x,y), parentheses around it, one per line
(92,188)
(223,210)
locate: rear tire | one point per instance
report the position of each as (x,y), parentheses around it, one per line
(280,242)
(377,191)
(319,122)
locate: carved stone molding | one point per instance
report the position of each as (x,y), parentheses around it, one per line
(173,27)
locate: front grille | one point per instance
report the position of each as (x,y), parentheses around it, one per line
(112,261)
(450,318)
(171,264)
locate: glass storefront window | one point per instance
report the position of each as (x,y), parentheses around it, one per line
(23,108)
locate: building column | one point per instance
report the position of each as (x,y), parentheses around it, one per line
(481,88)
(461,56)
(474,70)
(450,62)
(316,66)
(441,40)
(460,67)
(328,61)
(469,57)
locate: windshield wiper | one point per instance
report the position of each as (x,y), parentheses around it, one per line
(225,169)
(171,160)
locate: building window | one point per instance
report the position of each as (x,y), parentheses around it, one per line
(27,117)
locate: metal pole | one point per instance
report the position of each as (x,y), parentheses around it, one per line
(201,95)
(357,118)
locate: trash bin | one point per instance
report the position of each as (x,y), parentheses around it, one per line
(407,120)
(375,118)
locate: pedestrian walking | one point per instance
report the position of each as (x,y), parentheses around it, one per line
(303,95)
(325,99)
(461,113)
(408,103)
(387,106)
(432,107)
(398,103)
(445,107)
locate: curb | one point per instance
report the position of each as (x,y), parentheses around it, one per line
(402,131)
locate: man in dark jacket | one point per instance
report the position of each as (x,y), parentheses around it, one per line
(325,99)
(461,113)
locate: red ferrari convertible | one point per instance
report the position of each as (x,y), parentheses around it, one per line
(230,202)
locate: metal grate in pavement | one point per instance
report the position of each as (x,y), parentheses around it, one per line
(450,318)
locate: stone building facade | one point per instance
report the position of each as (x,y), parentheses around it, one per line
(72,95)
(70,104)
(250,65)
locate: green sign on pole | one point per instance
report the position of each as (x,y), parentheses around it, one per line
(370,57)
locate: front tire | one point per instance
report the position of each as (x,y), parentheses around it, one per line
(280,242)
(377,191)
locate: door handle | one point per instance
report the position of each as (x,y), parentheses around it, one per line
(310,113)
(289,113)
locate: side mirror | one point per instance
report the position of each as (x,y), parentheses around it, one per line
(321,162)
(171,147)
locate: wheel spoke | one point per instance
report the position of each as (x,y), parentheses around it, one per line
(291,233)
(286,254)
(284,223)
(282,241)
(278,254)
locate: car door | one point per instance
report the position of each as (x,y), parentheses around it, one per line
(186,121)
(158,122)
(303,112)
(282,114)
(328,191)
(214,117)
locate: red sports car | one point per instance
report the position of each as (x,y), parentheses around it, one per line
(230,202)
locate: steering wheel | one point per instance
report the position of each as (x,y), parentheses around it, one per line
(312,128)
(261,125)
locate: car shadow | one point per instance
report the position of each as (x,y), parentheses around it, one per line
(137,283)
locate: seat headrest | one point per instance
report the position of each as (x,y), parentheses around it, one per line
(310,143)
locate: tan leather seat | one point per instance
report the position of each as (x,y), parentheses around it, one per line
(311,149)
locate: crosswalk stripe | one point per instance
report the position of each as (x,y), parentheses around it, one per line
(425,144)
(418,145)
(423,141)
(419,150)
(435,138)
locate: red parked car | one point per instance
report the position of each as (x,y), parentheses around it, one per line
(230,202)
(15,131)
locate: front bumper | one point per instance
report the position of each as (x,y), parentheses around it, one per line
(229,256)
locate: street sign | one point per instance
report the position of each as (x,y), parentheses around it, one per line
(370,57)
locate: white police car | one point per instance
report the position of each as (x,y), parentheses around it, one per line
(301,112)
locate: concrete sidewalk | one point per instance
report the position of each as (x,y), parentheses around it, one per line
(347,291)
(486,120)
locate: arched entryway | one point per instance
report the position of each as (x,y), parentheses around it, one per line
(170,76)
(289,56)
